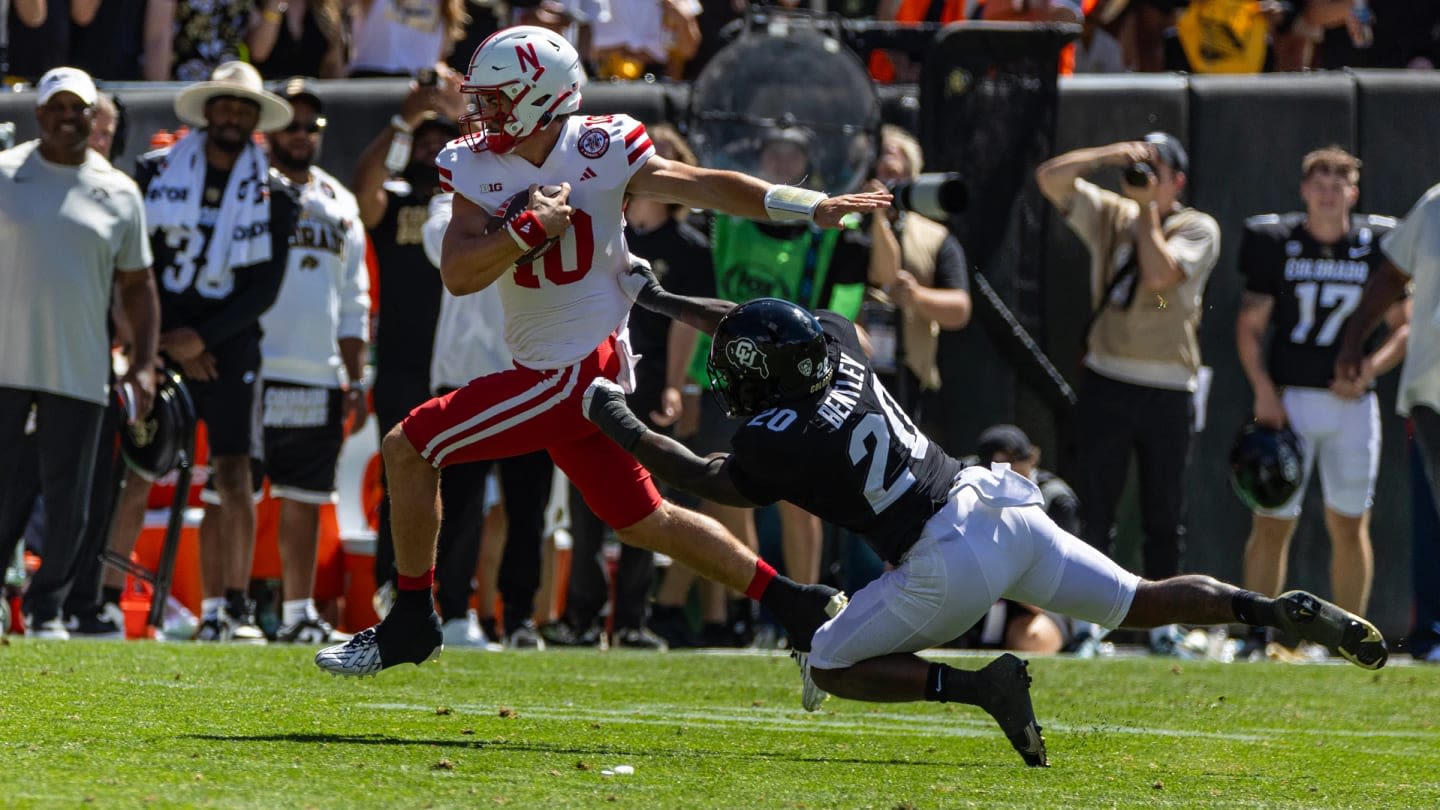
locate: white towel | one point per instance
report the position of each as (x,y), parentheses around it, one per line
(242,233)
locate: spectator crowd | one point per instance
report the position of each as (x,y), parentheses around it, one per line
(234,261)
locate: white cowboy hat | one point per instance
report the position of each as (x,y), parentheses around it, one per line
(238,79)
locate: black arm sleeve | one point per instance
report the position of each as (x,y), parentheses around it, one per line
(256,286)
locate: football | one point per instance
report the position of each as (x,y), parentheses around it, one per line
(514,207)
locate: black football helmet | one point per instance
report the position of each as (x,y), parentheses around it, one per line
(767,352)
(158,443)
(1266,465)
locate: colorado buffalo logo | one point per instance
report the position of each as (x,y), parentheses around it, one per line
(594,142)
(743,353)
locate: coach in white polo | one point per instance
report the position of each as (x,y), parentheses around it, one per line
(71,226)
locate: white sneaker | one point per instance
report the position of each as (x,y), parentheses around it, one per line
(52,629)
(383,598)
(466,633)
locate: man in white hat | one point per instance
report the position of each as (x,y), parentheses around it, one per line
(70,227)
(220,230)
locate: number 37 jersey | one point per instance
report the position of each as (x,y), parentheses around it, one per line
(852,456)
(1315,287)
(559,307)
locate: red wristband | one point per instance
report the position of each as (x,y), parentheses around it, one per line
(526,230)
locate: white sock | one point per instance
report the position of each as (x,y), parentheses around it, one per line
(210,607)
(294,611)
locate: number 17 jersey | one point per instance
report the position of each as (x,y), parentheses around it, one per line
(851,456)
(1315,287)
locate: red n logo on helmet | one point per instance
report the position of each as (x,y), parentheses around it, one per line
(526,53)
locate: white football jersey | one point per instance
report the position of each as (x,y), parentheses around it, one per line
(561,306)
(326,292)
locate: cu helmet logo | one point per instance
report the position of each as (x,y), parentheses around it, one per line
(743,353)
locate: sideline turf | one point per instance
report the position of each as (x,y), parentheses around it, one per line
(146,724)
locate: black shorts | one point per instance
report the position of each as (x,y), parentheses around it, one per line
(226,403)
(302,436)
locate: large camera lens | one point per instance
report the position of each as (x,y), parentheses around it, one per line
(1139,175)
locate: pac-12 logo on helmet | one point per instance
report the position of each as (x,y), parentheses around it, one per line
(767,352)
(520,79)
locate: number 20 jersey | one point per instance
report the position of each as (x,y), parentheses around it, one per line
(564,304)
(1315,287)
(852,456)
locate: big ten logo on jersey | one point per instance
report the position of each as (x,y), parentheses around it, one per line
(567,262)
(409,224)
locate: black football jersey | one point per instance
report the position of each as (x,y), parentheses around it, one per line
(851,456)
(1315,288)
(190,296)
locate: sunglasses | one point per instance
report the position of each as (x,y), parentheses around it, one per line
(312,128)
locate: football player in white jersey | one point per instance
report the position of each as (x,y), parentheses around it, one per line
(565,324)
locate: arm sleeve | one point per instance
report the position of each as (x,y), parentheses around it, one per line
(1195,246)
(355,286)
(951,272)
(1084,214)
(256,286)
(1255,264)
(134,249)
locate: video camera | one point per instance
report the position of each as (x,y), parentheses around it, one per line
(934,195)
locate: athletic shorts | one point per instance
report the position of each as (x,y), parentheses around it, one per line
(301,430)
(226,403)
(1342,437)
(303,436)
(522,410)
(986,544)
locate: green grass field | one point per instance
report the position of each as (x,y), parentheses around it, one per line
(148,724)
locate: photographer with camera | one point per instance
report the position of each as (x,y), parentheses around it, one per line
(1150,258)
(918,278)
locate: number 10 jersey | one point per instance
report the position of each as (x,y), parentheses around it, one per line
(559,307)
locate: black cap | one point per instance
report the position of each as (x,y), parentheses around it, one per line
(1170,150)
(298,87)
(1007,439)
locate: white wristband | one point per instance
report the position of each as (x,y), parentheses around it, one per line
(791,204)
(399,123)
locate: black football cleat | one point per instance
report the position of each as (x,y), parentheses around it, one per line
(1314,619)
(1005,694)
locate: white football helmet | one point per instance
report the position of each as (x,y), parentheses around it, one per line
(536,69)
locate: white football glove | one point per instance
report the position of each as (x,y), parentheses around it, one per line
(637,278)
(602,389)
(604,404)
